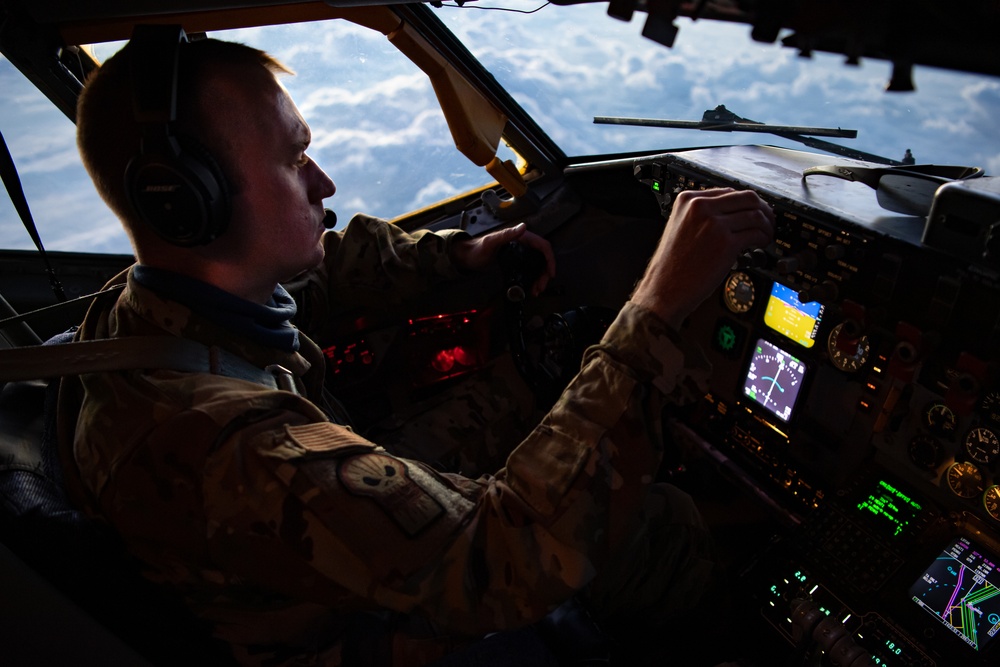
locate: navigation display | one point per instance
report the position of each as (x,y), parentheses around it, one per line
(960,589)
(790,317)
(774,379)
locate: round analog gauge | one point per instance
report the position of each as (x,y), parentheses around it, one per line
(982,445)
(990,406)
(847,357)
(939,419)
(964,479)
(991,501)
(738,292)
(925,452)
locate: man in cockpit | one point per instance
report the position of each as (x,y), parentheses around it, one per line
(300,541)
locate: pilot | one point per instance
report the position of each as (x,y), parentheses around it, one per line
(297,539)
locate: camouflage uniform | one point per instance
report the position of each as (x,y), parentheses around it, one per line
(289,532)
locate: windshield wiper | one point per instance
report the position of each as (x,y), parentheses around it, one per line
(721,119)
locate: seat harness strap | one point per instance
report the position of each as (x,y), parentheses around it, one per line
(136,352)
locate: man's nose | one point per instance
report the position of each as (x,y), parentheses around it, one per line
(323,185)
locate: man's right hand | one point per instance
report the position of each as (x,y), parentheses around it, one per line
(705,233)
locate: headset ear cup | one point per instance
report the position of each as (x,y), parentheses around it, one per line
(183,197)
(214,182)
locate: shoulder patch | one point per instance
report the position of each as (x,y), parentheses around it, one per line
(328,438)
(388,482)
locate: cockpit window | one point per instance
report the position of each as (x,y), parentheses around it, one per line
(566,65)
(66,208)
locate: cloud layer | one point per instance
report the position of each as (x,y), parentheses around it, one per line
(379,133)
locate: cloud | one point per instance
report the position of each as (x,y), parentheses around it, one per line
(69,217)
(357,142)
(99,236)
(435,191)
(400,90)
(982,98)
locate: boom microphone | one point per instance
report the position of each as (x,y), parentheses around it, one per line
(330,219)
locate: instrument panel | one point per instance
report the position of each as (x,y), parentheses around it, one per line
(855,388)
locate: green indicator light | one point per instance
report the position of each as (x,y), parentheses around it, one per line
(726,337)
(656,186)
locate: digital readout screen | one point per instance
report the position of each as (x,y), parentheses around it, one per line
(790,317)
(960,589)
(773,379)
(889,509)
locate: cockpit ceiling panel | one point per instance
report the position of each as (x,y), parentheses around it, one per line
(92,32)
(939,33)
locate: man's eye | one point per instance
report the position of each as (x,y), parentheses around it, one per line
(303,160)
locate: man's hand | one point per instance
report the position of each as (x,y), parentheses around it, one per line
(706,231)
(478,253)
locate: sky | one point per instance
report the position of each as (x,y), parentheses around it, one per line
(380,135)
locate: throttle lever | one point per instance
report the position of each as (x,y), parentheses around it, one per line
(522,266)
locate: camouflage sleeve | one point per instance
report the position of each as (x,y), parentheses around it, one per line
(314,510)
(371,262)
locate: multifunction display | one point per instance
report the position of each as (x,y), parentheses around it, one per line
(792,318)
(773,379)
(960,589)
(890,510)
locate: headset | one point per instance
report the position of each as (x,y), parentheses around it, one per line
(174,184)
